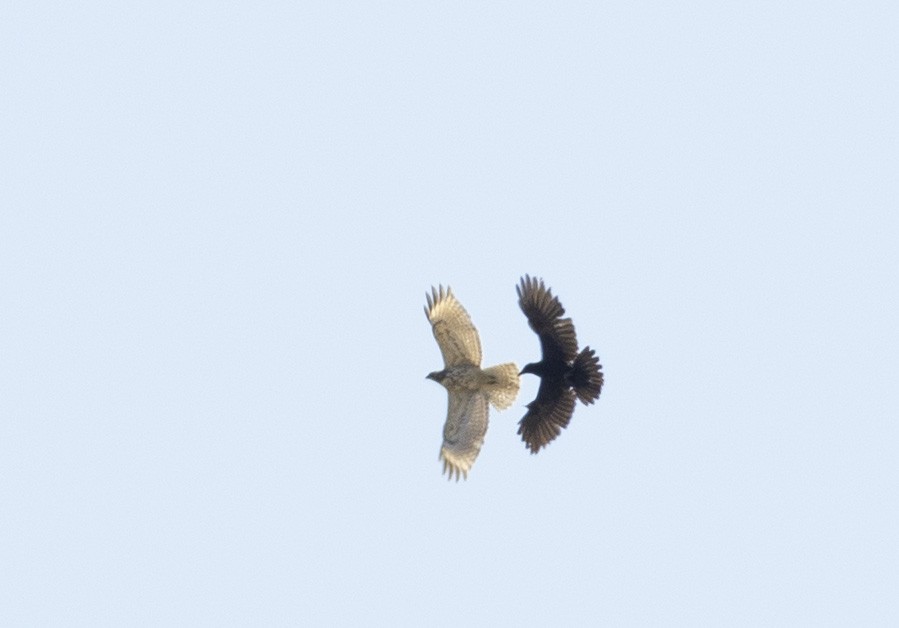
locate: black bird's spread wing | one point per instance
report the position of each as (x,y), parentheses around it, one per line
(547,415)
(558,340)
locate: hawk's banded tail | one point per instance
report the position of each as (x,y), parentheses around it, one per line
(501,385)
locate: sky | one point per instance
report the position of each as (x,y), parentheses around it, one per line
(219,224)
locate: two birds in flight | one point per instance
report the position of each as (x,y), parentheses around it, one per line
(565,375)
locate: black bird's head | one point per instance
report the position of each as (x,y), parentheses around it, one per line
(533,368)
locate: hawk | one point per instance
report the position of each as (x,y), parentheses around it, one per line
(565,374)
(469,387)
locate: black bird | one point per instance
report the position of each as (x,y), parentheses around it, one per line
(564,373)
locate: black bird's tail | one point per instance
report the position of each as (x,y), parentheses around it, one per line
(586,376)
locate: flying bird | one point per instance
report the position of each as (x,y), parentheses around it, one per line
(565,374)
(469,387)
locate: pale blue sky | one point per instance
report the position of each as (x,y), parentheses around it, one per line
(218,225)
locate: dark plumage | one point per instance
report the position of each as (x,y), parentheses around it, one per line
(565,374)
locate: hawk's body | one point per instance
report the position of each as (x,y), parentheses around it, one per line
(565,375)
(469,387)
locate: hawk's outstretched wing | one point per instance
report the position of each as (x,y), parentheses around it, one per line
(455,333)
(463,432)
(558,340)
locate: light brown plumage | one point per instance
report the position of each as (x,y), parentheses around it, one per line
(469,387)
